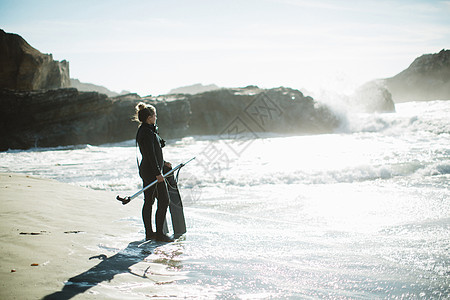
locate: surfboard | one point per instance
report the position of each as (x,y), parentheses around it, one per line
(175,205)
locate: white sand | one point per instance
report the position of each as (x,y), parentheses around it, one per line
(59,227)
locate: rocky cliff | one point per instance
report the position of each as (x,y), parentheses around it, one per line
(244,110)
(254,110)
(174,114)
(36,112)
(24,68)
(427,78)
(68,117)
(53,118)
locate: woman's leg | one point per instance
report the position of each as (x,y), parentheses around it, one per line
(149,199)
(163,203)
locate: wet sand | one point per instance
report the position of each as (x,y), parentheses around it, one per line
(61,241)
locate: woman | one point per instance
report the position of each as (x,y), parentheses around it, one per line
(150,168)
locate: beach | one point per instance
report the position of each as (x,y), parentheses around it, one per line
(52,231)
(359,214)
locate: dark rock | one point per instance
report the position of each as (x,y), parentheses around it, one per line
(89,87)
(53,118)
(173,115)
(280,110)
(249,109)
(62,117)
(24,68)
(427,78)
(300,114)
(67,117)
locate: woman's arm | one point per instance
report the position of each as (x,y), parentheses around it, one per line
(148,145)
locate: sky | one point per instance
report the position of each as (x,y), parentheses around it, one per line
(152,46)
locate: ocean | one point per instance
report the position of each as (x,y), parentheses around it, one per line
(363,213)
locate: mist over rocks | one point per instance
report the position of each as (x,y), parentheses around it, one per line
(255,110)
(24,68)
(238,110)
(194,89)
(372,97)
(426,79)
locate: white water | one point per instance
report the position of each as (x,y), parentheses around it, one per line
(362,213)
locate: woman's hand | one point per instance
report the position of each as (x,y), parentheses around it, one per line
(160,178)
(168,164)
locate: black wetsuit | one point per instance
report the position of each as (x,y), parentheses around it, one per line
(150,145)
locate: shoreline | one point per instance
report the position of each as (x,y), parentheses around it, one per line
(53,232)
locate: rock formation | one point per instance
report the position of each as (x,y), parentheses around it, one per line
(280,110)
(372,97)
(427,78)
(249,109)
(53,118)
(24,68)
(89,87)
(36,112)
(68,117)
(194,89)
(62,117)
(173,115)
